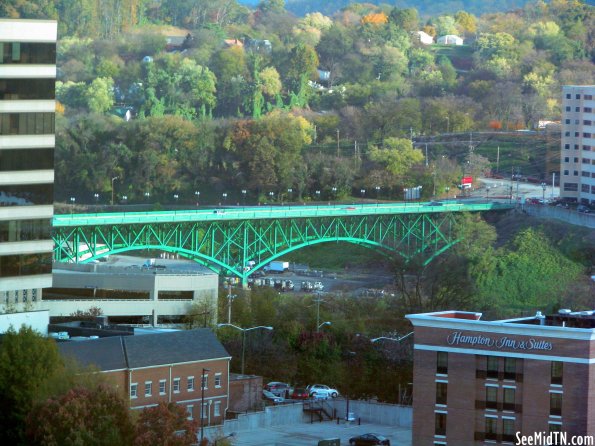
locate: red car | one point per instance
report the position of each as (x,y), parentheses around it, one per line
(300,393)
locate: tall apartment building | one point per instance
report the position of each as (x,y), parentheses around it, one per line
(27,140)
(578,143)
(481,382)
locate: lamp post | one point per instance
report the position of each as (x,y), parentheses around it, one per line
(176,196)
(224,195)
(377,191)
(244,330)
(362,192)
(113,179)
(125,199)
(271,194)
(147,196)
(317,195)
(244,192)
(202,402)
(334,189)
(289,193)
(96,195)
(543,186)
(72,200)
(197,195)
(321,325)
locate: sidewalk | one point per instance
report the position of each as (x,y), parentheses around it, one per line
(305,434)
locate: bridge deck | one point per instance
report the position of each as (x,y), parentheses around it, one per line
(273,212)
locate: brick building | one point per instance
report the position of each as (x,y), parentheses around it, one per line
(480,382)
(163,367)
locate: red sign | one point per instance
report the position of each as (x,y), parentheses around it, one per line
(467,180)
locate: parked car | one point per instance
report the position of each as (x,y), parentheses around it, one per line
(322,391)
(584,209)
(279,388)
(369,439)
(300,393)
(270,396)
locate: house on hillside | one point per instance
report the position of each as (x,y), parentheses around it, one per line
(167,367)
(424,38)
(233,42)
(450,39)
(259,45)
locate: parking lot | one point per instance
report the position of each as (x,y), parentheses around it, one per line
(309,434)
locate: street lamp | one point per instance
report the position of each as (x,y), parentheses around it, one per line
(176,196)
(334,189)
(317,195)
(224,195)
(125,198)
(244,330)
(113,179)
(202,402)
(244,192)
(362,192)
(197,195)
(96,195)
(271,194)
(289,193)
(321,325)
(377,191)
(147,195)
(72,200)
(543,186)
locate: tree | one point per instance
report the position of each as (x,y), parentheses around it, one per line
(466,23)
(100,95)
(407,19)
(166,424)
(397,155)
(28,363)
(97,416)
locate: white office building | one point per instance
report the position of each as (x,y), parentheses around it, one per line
(577,163)
(27,140)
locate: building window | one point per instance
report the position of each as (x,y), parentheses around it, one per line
(440,424)
(491,428)
(577,109)
(509,396)
(586,135)
(148,388)
(509,368)
(570,187)
(556,372)
(566,133)
(162,387)
(555,403)
(190,411)
(567,121)
(567,146)
(588,110)
(205,410)
(588,97)
(492,366)
(176,385)
(133,390)
(568,108)
(587,148)
(575,173)
(204,384)
(491,397)
(191,384)
(555,427)
(441,391)
(218,380)
(576,147)
(27,53)
(578,96)
(568,96)
(27,123)
(442,363)
(217,409)
(27,89)
(576,134)
(566,159)
(587,122)
(508,430)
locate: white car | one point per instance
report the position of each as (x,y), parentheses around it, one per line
(322,391)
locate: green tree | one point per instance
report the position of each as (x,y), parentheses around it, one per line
(100,94)
(397,155)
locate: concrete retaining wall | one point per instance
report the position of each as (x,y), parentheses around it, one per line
(567,215)
(368,412)
(377,413)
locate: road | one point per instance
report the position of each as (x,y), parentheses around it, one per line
(491,187)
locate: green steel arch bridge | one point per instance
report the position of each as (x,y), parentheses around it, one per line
(242,240)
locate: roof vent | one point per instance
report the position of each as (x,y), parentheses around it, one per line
(564,311)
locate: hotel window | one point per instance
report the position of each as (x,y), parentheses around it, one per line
(217,409)
(176,385)
(555,427)
(204,384)
(440,425)
(492,366)
(148,388)
(442,363)
(133,390)
(162,386)
(491,428)
(491,397)
(441,391)
(190,411)
(555,403)
(217,380)
(509,396)
(508,430)
(509,368)
(190,383)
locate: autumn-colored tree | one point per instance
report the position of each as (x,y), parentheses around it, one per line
(83,416)
(378,18)
(495,124)
(166,424)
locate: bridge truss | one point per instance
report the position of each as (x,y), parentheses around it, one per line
(229,240)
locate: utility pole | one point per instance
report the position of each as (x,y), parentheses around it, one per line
(426,154)
(498,160)
(337,143)
(553,183)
